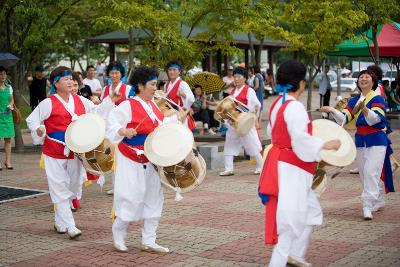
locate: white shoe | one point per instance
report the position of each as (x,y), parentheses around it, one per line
(226,173)
(257,172)
(154,249)
(120,247)
(354,171)
(59,229)
(367,215)
(110,192)
(295,261)
(73,232)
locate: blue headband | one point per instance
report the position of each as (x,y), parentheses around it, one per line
(135,86)
(240,72)
(283,88)
(56,79)
(176,66)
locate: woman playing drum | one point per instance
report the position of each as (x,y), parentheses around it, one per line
(251,141)
(137,193)
(368,110)
(52,117)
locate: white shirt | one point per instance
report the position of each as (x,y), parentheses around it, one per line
(183,87)
(305,146)
(128,89)
(94,84)
(43,110)
(227,80)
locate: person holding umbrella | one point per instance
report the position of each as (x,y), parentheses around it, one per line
(6,118)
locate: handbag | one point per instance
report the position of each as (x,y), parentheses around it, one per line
(16,113)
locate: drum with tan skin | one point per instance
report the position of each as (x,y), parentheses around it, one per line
(237,113)
(166,107)
(85,137)
(170,147)
(331,160)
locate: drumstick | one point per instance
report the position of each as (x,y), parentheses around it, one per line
(145,117)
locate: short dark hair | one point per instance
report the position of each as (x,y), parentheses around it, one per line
(3,69)
(257,68)
(116,64)
(385,82)
(327,67)
(376,70)
(141,76)
(291,72)
(57,71)
(173,62)
(393,85)
(39,68)
(198,86)
(75,77)
(373,76)
(90,67)
(241,71)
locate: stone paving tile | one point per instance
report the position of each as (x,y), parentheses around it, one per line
(351,231)
(232,185)
(223,219)
(19,246)
(102,255)
(199,262)
(390,239)
(250,205)
(250,249)
(371,256)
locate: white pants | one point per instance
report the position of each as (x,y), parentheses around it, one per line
(63,215)
(298,211)
(149,229)
(137,191)
(64,178)
(370,163)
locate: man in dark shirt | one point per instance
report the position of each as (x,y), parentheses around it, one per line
(37,88)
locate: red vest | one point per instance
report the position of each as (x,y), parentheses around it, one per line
(58,121)
(145,128)
(242,96)
(173,94)
(122,91)
(281,151)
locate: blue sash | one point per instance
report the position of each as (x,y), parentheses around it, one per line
(59,136)
(137,140)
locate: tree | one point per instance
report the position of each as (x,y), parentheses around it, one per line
(379,12)
(315,26)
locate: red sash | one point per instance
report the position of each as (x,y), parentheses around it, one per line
(122,91)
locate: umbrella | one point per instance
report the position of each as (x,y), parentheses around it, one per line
(210,82)
(8,60)
(388,42)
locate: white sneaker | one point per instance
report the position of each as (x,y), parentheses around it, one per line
(110,192)
(367,215)
(120,247)
(226,173)
(295,261)
(257,172)
(73,232)
(154,249)
(59,229)
(354,171)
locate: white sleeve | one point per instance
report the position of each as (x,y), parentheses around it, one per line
(269,130)
(11,90)
(103,109)
(102,92)
(305,146)
(338,116)
(189,99)
(372,118)
(252,100)
(39,114)
(128,90)
(118,118)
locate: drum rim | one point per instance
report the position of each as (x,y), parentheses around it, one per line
(162,161)
(348,158)
(83,149)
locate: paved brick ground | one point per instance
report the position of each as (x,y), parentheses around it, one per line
(218,224)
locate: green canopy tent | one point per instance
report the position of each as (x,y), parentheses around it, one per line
(388,37)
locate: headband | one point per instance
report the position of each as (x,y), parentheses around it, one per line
(57,78)
(175,66)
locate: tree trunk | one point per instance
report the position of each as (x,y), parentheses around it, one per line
(259,51)
(131,45)
(252,52)
(375,42)
(17,83)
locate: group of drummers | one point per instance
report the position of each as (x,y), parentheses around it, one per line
(150,144)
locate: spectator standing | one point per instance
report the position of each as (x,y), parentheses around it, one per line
(259,88)
(250,80)
(100,71)
(324,88)
(91,81)
(37,87)
(270,80)
(228,80)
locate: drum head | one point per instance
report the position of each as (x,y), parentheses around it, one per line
(86,133)
(328,130)
(245,122)
(168,144)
